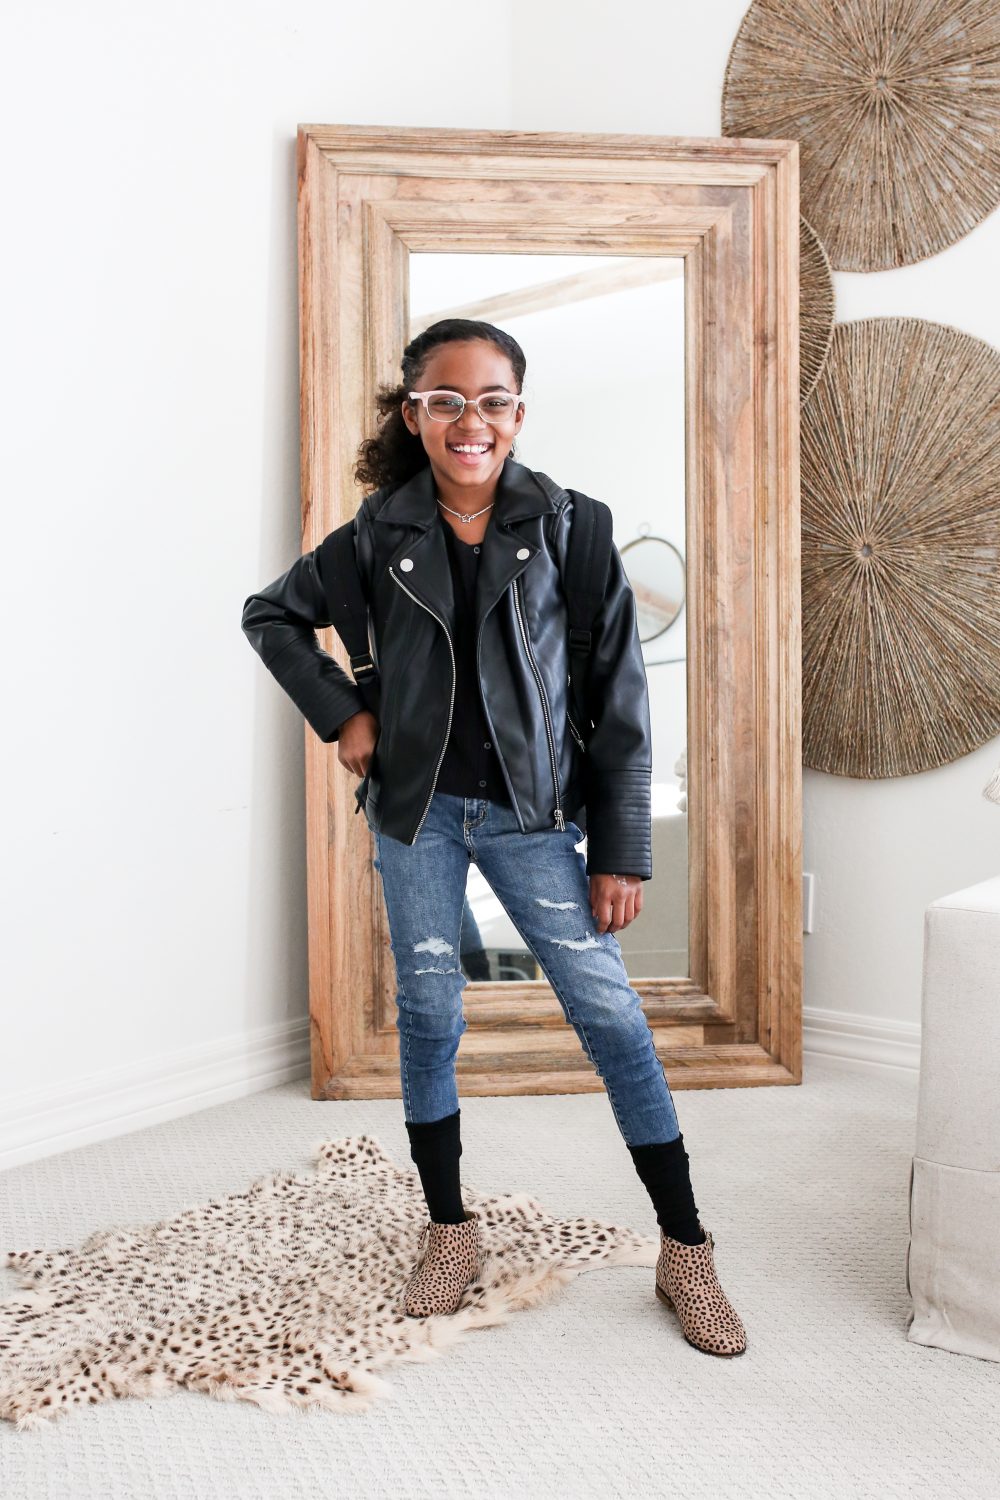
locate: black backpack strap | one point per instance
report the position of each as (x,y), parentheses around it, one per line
(588,561)
(348,608)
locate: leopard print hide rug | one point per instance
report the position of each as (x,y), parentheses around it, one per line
(288,1294)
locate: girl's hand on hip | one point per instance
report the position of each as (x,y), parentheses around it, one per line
(614,904)
(357,741)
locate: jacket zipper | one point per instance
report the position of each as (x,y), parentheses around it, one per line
(493,733)
(518,601)
(576,733)
(451,705)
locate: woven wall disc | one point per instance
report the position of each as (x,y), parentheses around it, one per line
(900,549)
(896,104)
(815,308)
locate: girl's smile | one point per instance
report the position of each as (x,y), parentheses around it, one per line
(471,454)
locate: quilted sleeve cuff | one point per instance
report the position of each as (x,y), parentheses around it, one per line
(619,822)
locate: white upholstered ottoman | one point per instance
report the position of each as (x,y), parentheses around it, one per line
(953,1258)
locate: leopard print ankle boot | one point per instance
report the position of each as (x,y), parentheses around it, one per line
(686,1281)
(449,1263)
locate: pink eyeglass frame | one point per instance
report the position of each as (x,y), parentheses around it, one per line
(422,397)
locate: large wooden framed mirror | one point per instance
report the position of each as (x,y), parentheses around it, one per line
(658,277)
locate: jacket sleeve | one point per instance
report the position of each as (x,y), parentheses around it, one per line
(280,622)
(619,757)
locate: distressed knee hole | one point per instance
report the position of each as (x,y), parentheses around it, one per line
(556,905)
(435,971)
(585,942)
(436,945)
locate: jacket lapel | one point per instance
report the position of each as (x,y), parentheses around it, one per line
(520,495)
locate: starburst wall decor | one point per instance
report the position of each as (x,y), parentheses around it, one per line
(815,308)
(900,549)
(896,105)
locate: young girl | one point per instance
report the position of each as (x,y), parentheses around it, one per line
(475,757)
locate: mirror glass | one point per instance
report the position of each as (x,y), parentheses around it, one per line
(603,337)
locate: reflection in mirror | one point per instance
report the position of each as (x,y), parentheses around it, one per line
(655,570)
(603,337)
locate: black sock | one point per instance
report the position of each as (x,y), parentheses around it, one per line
(663,1170)
(435,1146)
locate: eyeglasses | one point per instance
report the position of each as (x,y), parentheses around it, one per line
(448,406)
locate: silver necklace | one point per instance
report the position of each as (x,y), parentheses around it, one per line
(461,513)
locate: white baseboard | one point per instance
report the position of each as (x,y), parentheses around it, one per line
(42,1122)
(860,1039)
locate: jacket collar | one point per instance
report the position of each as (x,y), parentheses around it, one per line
(520,493)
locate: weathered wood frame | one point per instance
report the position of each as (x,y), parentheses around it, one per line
(367,197)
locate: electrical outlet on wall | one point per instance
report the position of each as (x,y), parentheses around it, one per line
(808,893)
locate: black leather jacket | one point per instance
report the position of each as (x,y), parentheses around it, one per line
(522,651)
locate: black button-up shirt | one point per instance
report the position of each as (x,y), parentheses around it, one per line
(469,767)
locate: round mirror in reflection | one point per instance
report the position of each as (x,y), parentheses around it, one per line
(655,570)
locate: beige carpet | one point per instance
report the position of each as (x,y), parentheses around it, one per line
(595,1392)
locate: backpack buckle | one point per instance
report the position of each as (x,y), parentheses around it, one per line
(362,663)
(579,640)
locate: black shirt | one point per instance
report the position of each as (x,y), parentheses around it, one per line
(469,767)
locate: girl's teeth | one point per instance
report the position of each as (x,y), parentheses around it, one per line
(470,447)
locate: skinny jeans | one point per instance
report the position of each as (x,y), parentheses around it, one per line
(541,881)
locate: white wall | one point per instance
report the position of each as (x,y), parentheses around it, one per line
(154,953)
(881,850)
(154,949)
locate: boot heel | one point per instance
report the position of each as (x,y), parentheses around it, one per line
(663,1296)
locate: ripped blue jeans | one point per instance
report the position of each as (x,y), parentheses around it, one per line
(542,882)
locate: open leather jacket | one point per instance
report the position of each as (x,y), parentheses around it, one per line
(596,774)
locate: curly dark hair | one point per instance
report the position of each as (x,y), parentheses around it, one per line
(395,454)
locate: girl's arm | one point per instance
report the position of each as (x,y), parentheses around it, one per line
(280,622)
(619,757)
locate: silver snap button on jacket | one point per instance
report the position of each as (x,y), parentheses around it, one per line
(524,551)
(406,564)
